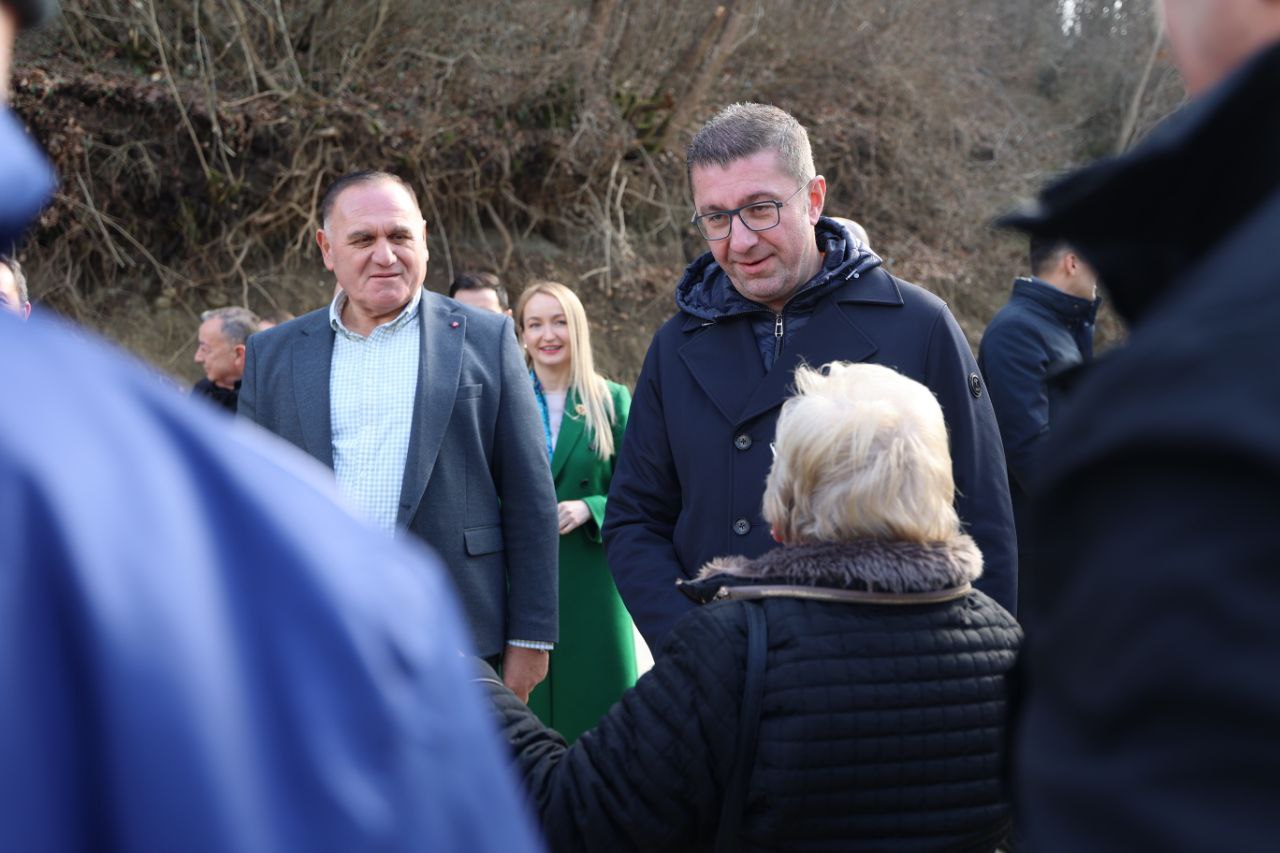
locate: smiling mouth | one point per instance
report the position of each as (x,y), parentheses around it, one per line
(752,266)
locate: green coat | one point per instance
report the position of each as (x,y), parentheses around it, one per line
(594,661)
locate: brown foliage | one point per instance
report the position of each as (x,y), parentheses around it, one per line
(194,138)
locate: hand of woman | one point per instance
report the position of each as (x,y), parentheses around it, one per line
(572,515)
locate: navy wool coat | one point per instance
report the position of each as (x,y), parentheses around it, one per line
(691,472)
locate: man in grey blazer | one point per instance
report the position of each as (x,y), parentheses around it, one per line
(423,409)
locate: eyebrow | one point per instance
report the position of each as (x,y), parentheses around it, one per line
(763,195)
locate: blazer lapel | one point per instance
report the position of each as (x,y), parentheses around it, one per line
(312,361)
(442,335)
(572,430)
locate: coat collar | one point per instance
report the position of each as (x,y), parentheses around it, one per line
(1064,305)
(724,361)
(865,565)
(1146,217)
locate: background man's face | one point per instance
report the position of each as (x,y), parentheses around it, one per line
(9,297)
(223,363)
(375,243)
(765,266)
(481,297)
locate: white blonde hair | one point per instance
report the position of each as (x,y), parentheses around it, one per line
(595,404)
(861,452)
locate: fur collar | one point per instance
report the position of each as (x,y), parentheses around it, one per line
(864,564)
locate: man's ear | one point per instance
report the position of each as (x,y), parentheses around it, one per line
(322,240)
(238,349)
(817,197)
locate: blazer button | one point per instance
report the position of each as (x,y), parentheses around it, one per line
(742,441)
(583,484)
(742,527)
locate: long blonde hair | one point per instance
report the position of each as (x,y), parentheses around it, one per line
(595,405)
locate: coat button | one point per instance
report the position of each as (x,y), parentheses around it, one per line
(583,484)
(742,527)
(742,441)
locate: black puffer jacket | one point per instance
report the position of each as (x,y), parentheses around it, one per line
(881,726)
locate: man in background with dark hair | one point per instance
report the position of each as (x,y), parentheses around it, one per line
(13,287)
(423,409)
(481,290)
(220,351)
(1046,327)
(1151,705)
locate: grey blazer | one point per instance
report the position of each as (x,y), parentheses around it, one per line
(477,484)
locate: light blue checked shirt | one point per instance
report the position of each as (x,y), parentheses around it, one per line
(372,386)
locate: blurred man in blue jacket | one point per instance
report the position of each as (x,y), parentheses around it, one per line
(192,655)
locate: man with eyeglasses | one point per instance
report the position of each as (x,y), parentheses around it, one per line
(780,286)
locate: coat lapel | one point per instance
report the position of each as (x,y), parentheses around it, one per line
(443,332)
(572,431)
(724,361)
(312,361)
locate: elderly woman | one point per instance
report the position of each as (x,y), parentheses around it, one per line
(845,691)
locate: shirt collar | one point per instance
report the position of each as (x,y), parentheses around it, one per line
(335,314)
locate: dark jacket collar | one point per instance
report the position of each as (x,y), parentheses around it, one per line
(1145,217)
(1068,307)
(865,564)
(707,295)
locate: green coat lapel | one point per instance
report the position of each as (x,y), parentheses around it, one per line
(571,433)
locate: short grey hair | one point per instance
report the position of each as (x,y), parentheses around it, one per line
(742,129)
(237,323)
(19,277)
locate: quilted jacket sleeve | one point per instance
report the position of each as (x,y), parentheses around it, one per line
(650,775)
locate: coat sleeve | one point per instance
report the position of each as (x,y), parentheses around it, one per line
(977,458)
(650,775)
(523,479)
(644,504)
(596,503)
(1015,365)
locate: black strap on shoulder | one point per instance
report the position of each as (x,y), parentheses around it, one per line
(735,792)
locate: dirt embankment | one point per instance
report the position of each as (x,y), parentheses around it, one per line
(194,146)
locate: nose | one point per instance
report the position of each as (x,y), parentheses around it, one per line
(382,253)
(741,238)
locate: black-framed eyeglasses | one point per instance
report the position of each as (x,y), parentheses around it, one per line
(757,216)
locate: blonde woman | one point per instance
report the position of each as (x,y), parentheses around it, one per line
(583,417)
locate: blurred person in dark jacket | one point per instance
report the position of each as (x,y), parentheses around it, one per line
(780,285)
(192,653)
(878,680)
(1046,327)
(1151,706)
